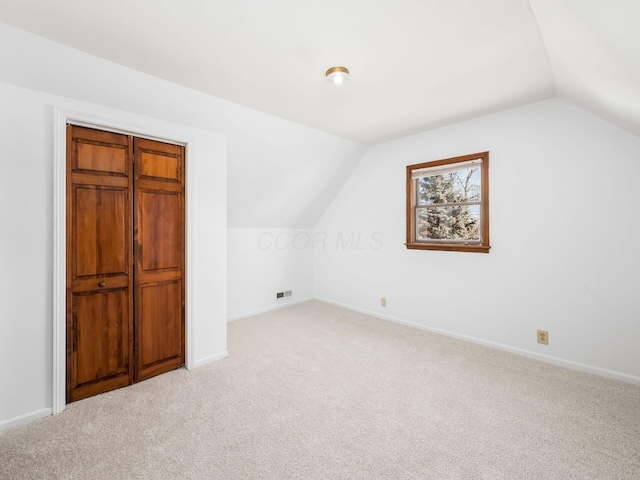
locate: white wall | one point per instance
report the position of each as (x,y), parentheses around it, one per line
(262,262)
(26,186)
(564,224)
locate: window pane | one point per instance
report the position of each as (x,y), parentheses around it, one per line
(448,223)
(459,186)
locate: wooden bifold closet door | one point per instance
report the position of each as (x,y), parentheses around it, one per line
(125,260)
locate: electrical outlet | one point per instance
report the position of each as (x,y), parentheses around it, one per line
(543,337)
(279,294)
(288,293)
(383,301)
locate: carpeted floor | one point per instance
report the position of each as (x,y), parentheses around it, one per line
(318,392)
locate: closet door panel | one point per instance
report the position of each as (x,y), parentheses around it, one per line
(159,260)
(160,326)
(160,166)
(160,230)
(99,262)
(101,158)
(100,230)
(102,336)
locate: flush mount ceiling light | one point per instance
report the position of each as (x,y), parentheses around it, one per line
(337,75)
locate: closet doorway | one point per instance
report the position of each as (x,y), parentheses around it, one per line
(125,251)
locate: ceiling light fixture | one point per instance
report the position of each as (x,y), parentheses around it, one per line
(337,75)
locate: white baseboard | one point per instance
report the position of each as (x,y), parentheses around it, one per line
(212,358)
(24,419)
(602,372)
(268,309)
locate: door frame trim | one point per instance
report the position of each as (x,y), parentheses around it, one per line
(119,123)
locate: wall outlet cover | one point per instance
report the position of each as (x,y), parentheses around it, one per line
(543,337)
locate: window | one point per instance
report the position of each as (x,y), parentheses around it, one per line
(448,204)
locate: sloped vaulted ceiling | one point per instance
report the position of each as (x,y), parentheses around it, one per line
(416,65)
(594,51)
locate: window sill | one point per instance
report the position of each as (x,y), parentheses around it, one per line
(449,247)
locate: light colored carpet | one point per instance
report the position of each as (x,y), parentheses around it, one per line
(318,392)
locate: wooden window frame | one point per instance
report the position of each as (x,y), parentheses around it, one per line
(482,247)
